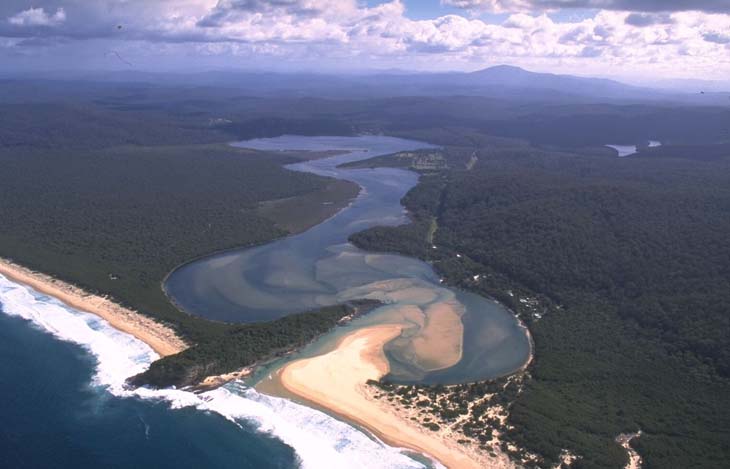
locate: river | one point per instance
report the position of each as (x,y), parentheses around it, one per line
(319,267)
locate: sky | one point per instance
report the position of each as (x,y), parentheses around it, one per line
(631,39)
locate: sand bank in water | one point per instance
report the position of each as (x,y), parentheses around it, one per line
(439,343)
(159,337)
(337,381)
(433,337)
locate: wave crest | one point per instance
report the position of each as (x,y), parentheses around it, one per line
(318,439)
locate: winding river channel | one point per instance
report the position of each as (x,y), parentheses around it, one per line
(450,336)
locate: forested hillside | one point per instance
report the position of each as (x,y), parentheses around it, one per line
(622,268)
(101,199)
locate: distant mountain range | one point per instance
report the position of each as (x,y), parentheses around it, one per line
(499,82)
(515,77)
(515,82)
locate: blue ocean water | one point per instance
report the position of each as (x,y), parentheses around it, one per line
(52,416)
(63,403)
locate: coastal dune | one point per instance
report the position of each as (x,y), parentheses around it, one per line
(337,381)
(162,339)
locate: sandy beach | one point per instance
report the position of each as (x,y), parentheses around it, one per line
(161,338)
(337,381)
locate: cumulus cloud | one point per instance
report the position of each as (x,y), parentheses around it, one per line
(714,6)
(350,32)
(38,17)
(227,11)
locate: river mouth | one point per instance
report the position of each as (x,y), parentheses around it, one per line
(449,336)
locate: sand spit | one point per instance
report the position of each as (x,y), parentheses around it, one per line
(337,381)
(160,337)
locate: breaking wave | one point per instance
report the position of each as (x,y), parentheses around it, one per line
(318,439)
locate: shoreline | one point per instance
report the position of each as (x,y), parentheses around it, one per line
(161,338)
(230,250)
(338,382)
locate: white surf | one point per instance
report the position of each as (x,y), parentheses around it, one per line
(318,439)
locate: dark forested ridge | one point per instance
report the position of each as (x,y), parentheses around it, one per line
(137,113)
(621,269)
(81,125)
(692,152)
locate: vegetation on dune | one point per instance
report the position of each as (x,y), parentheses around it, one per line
(245,345)
(620,268)
(475,412)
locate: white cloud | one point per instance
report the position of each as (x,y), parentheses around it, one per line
(496,6)
(38,17)
(514,6)
(347,32)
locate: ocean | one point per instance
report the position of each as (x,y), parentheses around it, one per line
(64,404)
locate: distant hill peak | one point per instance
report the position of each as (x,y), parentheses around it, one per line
(502,70)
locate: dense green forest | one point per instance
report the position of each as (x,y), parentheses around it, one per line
(104,114)
(81,125)
(623,266)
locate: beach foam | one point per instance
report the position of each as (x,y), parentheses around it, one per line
(318,439)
